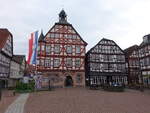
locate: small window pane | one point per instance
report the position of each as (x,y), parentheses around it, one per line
(48,49)
(42,62)
(69,36)
(69,49)
(74,36)
(65,35)
(56,62)
(57,35)
(57,48)
(52,35)
(78,49)
(47,62)
(77,62)
(69,62)
(37,62)
(78,78)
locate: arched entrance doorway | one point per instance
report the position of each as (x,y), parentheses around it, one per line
(68,81)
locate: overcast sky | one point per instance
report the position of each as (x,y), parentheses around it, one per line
(124,21)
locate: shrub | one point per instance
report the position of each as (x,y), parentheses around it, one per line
(24,87)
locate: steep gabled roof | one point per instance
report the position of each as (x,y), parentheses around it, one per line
(71,27)
(104,39)
(41,38)
(130,49)
(4,33)
(143,44)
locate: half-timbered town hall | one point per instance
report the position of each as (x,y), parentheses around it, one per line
(61,55)
(105,64)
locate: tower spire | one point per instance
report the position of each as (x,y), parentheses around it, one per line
(63,17)
(41,37)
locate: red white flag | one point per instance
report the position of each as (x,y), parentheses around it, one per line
(30,51)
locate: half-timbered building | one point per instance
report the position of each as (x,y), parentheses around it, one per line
(144,54)
(14,72)
(17,69)
(6,52)
(61,55)
(105,64)
(134,70)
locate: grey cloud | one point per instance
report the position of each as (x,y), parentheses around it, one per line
(92,19)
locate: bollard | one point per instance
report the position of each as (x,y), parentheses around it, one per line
(49,85)
(14,93)
(141,88)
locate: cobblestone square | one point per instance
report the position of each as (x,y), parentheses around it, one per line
(7,99)
(82,100)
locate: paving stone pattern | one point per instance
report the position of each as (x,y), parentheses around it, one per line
(18,105)
(82,100)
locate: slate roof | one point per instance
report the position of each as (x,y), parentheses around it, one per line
(41,38)
(129,50)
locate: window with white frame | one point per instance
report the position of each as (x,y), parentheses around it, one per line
(77,62)
(57,35)
(65,35)
(78,49)
(47,62)
(78,78)
(48,49)
(42,62)
(57,48)
(37,62)
(74,36)
(69,36)
(56,62)
(69,62)
(69,49)
(52,35)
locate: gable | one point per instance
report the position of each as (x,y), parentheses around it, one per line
(107,47)
(65,31)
